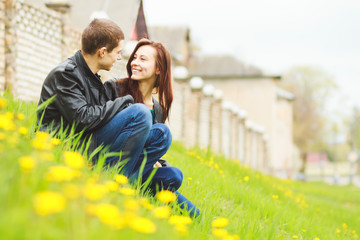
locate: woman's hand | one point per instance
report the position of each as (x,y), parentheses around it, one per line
(157,165)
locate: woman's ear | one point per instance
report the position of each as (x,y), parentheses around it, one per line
(157,72)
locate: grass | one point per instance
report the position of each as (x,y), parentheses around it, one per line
(54,194)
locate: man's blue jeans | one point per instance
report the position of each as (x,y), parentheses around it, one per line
(131,132)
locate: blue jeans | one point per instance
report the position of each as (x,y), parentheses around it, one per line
(131,132)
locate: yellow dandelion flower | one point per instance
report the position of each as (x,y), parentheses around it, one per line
(6,123)
(127,191)
(20,116)
(3,102)
(27,163)
(73,159)
(275,196)
(48,202)
(246,178)
(179,220)
(2,136)
(337,230)
(142,225)
(161,212)
(344,225)
(71,191)
(109,215)
(316,238)
(60,174)
(219,232)
(182,229)
(94,192)
(295,237)
(189,178)
(145,203)
(111,186)
(23,130)
(166,196)
(55,141)
(121,179)
(220,222)
(303,230)
(42,141)
(131,205)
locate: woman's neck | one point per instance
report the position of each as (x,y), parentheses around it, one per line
(146,89)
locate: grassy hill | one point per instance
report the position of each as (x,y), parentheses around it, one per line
(49,192)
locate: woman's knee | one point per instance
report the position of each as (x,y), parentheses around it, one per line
(163,134)
(177,177)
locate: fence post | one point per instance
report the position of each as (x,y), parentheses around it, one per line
(10,45)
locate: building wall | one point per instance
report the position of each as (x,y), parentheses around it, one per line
(2,45)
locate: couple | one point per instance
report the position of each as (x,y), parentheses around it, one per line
(121,113)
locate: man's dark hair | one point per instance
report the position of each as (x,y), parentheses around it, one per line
(101,33)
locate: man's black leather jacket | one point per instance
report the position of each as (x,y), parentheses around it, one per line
(81,98)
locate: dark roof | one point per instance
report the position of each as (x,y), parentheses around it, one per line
(140,29)
(221,66)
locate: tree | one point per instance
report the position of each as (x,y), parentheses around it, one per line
(312,89)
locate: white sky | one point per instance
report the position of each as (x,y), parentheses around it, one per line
(274,34)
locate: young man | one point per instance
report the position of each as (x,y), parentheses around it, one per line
(81,99)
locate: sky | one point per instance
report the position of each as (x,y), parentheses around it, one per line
(275,35)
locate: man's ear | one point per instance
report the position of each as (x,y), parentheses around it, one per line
(102,51)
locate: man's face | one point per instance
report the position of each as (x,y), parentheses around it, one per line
(109,58)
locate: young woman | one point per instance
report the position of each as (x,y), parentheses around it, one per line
(149,72)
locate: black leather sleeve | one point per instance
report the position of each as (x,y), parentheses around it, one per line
(71,102)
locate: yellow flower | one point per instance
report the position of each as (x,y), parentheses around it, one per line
(166,196)
(48,202)
(344,225)
(337,230)
(111,186)
(162,212)
(3,102)
(55,141)
(121,179)
(71,191)
(131,205)
(246,178)
(20,116)
(42,141)
(127,191)
(2,136)
(142,225)
(23,130)
(182,229)
(27,163)
(60,174)
(316,238)
(94,191)
(110,215)
(303,230)
(275,196)
(179,220)
(219,232)
(295,237)
(6,122)
(73,159)
(220,222)
(189,178)
(145,203)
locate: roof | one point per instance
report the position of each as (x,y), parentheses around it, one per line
(221,66)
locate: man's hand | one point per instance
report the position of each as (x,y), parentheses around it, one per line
(157,165)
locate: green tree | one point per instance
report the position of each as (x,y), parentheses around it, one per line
(312,88)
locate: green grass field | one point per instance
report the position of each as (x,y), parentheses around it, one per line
(50,192)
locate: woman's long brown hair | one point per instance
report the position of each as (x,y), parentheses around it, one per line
(162,85)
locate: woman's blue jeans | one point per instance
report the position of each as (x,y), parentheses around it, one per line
(131,132)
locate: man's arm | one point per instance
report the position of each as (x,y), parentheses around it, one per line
(72,103)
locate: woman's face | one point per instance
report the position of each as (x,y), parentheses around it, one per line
(143,65)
